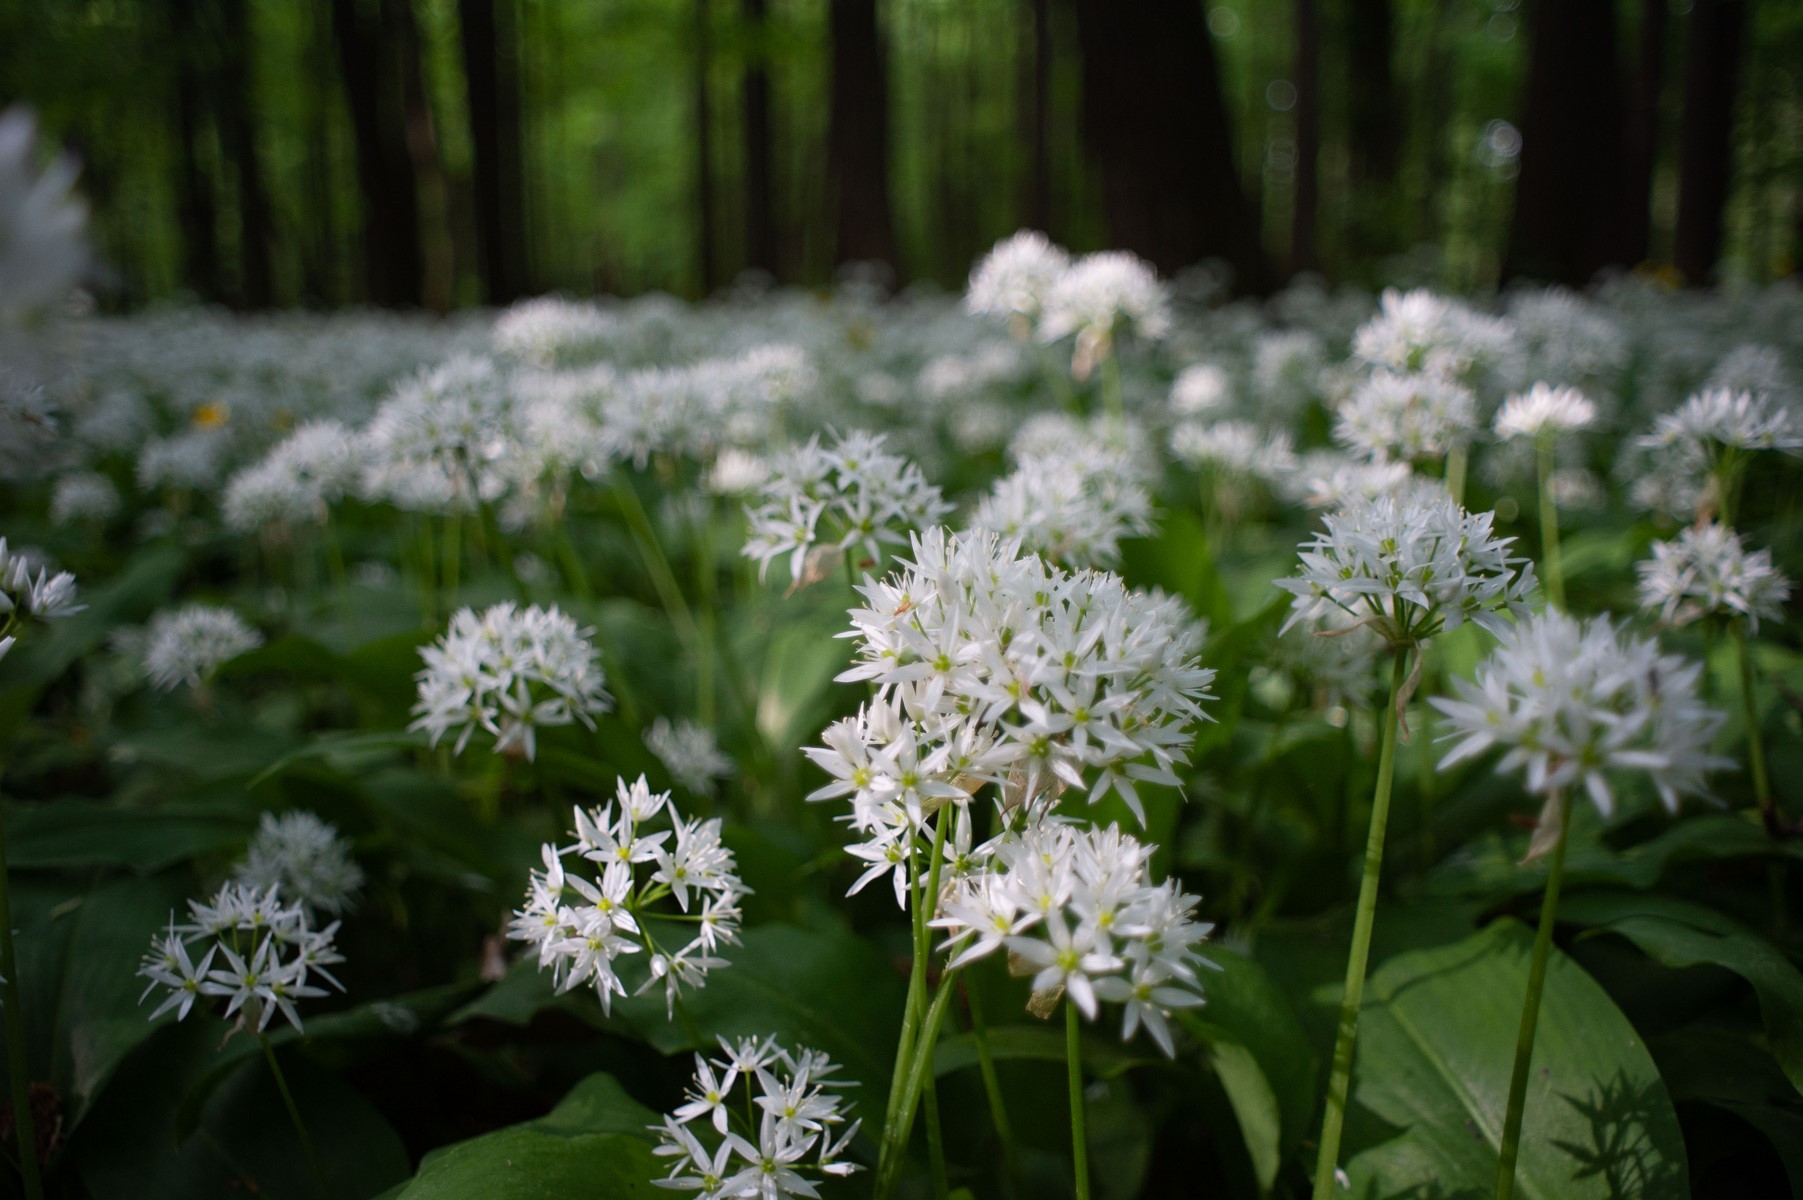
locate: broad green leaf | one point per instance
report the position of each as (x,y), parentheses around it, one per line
(1436,1042)
(1679,933)
(1011,1043)
(344,751)
(595,1143)
(71,832)
(1254,1107)
(1730,1071)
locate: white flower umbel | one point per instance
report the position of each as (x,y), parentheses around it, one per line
(778,1124)
(1237,449)
(1073,504)
(43,250)
(303,857)
(1420,332)
(548,331)
(992,666)
(29,423)
(1544,409)
(689,752)
(509,672)
(83,497)
(1702,448)
(1407,418)
(247,947)
(29,591)
(1570,704)
(1076,908)
(439,442)
(821,502)
(1199,390)
(187,645)
(1706,571)
(1014,279)
(1100,297)
(671,894)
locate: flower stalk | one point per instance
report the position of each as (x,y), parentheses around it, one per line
(1549,523)
(294,1116)
(1073,1063)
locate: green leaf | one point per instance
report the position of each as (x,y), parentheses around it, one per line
(1254,1107)
(71,833)
(1730,1071)
(1680,934)
(1436,1041)
(1032,1043)
(595,1143)
(344,751)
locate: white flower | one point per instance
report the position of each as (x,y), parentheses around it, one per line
(1234,448)
(1711,421)
(29,590)
(1074,505)
(1409,569)
(1333,479)
(1015,277)
(186,645)
(29,427)
(1286,369)
(83,496)
(305,858)
(582,928)
(1406,418)
(1097,298)
(549,331)
(261,957)
(1543,409)
(440,440)
(1199,389)
(510,672)
(689,752)
(1572,702)
(1419,332)
(42,248)
(1706,571)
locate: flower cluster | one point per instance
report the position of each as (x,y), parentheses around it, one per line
(1543,409)
(581,927)
(992,667)
(1409,568)
(1706,571)
(1420,332)
(1014,279)
(303,857)
(1098,298)
(261,956)
(866,497)
(793,1099)
(510,672)
(1237,449)
(186,645)
(298,481)
(434,444)
(1571,701)
(1076,908)
(42,223)
(1073,503)
(1719,419)
(83,496)
(689,752)
(26,593)
(1406,418)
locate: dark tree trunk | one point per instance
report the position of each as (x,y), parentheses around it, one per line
(1374,127)
(489,64)
(1642,136)
(194,208)
(319,254)
(760,213)
(385,181)
(401,42)
(1569,198)
(1036,113)
(237,120)
(1706,134)
(858,137)
(707,250)
(1306,198)
(1157,128)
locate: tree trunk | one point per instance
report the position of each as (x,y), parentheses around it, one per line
(390,194)
(707,250)
(237,123)
(1036,124)
(1374,128)
(1569,197)
(858,137)
(1706,135)
(1306,198)
(1158,130)
(492,87)
(194,208)
(1642,137)
(760,213)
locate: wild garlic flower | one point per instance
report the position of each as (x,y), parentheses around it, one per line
(298,481)
(1571,702)
(801,1124)
(1074,505)
(1409,569)
(435,442)
(1286,370)
(689,752)
(696,411)
(992,666)
(820,503)
(581,926)
(303,857)
(83,496)
(29,424)
(1406,418)
(1420,332)
(188,644)
(510,672)
(255,952)
(28,590)
(1335,479)
(1706,572)
(1234,448)
(1076,908)
(1098,298)
(1015,278)
(43,250)
(549,331)
(1202,388)
(1544,409)
(1711,422)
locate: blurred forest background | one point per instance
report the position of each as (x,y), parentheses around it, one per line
(443,153)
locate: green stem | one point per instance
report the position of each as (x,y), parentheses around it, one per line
(1762,784)
(707,590)
(1456,460)
(1530,1010)
(919,1066)
(1073,1063)
(572,562)
(18,1069)
(663,579)
(1340,1081)
(935,1138)
(451,561)
(992,1086)
(1112,399)
(497,546)
(898,1118)
(300,1126)
(1549,526)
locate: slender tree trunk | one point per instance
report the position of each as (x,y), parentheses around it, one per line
(238,121)
(385,181)
(194,207)
(401,40)
(1642,137)
(1569,197)
(319,254)
(1306,198)
(1156,125)
(1706,135)
(1374,128)
(706,244)
(858,137)
(760,214)
(1034,113)
(489,64)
